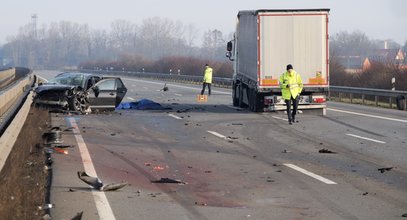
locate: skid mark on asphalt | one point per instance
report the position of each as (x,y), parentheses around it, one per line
(308,173)
(102,204)
(365,138)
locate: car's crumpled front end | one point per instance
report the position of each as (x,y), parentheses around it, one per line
(54,95)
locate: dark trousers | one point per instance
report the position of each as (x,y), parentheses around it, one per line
(203,88)
(294,102)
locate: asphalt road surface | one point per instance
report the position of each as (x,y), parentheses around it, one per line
(232,163)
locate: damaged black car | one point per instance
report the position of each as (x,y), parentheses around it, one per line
(82,92)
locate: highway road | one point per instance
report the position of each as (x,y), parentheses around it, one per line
(233,164)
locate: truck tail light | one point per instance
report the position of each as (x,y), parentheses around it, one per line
(319,99)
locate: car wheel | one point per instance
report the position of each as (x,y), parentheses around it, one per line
(79,102)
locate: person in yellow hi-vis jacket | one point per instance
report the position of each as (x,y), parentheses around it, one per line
(291,87)
(207,80)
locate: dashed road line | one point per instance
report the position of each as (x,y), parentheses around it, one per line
(130,98)
(217,134)
(279,118)
(174,116)
(365,138)
(102,204)
(177,94)
(308,173)
(367,115)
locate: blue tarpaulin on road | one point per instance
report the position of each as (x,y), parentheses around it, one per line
(143,104)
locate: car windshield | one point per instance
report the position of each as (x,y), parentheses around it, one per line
(76,80)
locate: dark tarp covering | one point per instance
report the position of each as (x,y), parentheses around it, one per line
(143,104)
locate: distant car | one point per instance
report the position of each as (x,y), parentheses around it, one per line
(81,92)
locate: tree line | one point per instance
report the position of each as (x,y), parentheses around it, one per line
(379,75)
(149,45)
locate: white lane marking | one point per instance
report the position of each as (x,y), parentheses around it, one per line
(177,94)
(372,116)
(174,116)
(365,138)
(177,86)
(308,173)
(130,98)
(284,119)
(102,204)
(145,88)
(217,134)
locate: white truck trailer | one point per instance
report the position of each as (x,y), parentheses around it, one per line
(265,42)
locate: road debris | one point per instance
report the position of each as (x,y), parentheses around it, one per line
(98,184)
(168,180)
(53,136)
(61,151)
(384,169)
(202,204)
(78,216)
(237,123)
(46,206)
(158,168)
(46,217)
(154,194)
(165,87)
(326,151)
(64,146)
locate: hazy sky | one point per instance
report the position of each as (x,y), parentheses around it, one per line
(378,19)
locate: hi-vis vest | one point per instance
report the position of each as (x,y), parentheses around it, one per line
(207,75)
(295,83)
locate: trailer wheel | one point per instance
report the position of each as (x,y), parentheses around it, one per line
(252,105)
(235,99)
(240,91)
(255,103)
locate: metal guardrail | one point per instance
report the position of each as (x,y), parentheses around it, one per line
(7,76)
(400,97)
(216,81)
(342,91)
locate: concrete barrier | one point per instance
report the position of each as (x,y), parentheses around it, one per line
(9,137)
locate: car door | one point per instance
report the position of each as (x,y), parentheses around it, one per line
(121,91)
(103,94)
